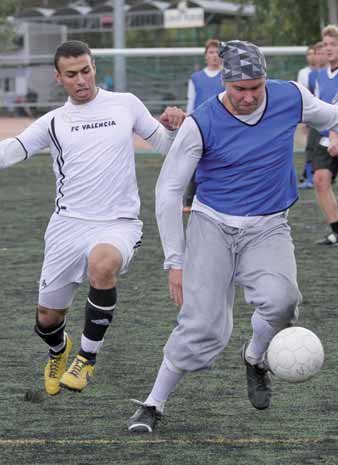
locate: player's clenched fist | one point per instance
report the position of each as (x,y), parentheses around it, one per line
(172,117)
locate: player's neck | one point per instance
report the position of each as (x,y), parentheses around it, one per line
(213,68)
(74,102)
(333,65)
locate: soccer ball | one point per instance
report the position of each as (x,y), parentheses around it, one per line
(295,354)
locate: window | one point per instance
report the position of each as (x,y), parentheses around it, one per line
(7,85)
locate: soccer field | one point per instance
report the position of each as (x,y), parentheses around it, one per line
(209,419)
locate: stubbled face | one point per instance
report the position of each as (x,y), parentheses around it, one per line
(331,49)
(77,76)
(212,59)
(244,97)
(311,57)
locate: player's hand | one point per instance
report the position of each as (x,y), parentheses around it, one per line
(175,286)
(172,118)
(333,145)
(333,149)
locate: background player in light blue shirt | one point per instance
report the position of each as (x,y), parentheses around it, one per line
(324,161)
(306,182)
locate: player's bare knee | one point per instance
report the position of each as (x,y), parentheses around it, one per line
(322,181)
(104,264)
(103,275)
(48,318)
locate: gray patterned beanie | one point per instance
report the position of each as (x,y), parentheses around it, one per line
(241,61)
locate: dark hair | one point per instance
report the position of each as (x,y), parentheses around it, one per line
(71,48)
(318,46)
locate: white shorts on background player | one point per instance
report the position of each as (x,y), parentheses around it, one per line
(68,243)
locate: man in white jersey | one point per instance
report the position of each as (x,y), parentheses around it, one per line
(241,143)
(94,229)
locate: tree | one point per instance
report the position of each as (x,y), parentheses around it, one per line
(7,8)
(289,22)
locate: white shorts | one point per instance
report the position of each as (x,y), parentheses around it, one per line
(68,243)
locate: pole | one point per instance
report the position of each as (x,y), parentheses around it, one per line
(119,42)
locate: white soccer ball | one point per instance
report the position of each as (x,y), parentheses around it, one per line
(295,354)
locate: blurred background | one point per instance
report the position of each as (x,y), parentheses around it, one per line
(30,31)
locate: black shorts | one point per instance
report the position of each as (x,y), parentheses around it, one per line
(322,160)
(311,144)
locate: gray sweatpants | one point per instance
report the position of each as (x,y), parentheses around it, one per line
(259,258)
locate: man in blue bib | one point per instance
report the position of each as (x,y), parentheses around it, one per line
(241,144)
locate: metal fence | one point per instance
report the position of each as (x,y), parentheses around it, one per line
(159,77)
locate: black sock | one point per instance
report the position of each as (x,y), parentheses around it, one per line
(99,314)
(53,335)
(334,227)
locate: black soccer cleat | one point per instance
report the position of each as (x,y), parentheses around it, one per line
(144,419)
(330,239)
(259,384)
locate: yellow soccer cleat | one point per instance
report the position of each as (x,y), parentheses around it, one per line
(55,368)
(78,374)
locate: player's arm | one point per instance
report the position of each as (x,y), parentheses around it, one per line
(31,141)
(191,96)
(174,177)
(160,134)
(333,140)
(170,121)
(11,152)
(333,144)
(318,114)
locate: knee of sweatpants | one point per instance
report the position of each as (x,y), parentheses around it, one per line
(197,351)
(282,300)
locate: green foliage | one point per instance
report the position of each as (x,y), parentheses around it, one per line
(7,7)
(7,36)
(11,7)
(276,22)
(286,22)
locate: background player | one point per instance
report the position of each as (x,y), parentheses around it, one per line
(202,85)
(313,136)
(303,74)
(324,163)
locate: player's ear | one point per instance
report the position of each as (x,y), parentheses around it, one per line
(94,66)
(57,76)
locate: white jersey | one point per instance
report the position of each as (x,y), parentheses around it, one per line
(303,76)
(93,154)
